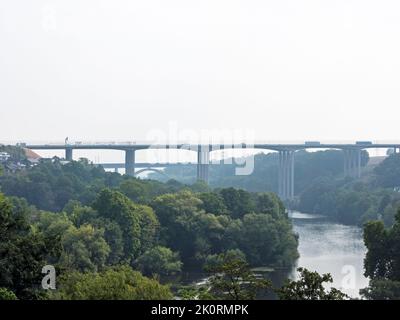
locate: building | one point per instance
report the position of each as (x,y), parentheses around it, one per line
(4,156)
(31,156)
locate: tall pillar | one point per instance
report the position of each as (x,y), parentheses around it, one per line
(286,174)
(280,184)
(130,162)
(203,162)
(68,154)
(292,175)
(358,155)
(352,163)
(346,162)
(282,175)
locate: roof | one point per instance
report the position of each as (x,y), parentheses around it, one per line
(31,154)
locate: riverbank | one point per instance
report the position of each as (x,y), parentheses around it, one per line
(325,246)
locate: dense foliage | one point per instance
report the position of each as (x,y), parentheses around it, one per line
(232,279)
(106,227)
(52,183)
(264,178)
(120,283)
(265,237)
(310,286)
(23,251)
(350,201)
(382,261)
(320,185)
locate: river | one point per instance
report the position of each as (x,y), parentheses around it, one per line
(324,246)
(329,247)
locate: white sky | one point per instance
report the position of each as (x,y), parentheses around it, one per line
(289,70)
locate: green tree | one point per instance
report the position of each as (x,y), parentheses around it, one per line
(23,252)
(382,261)
(382,289)
(269,203)
(388,172)
(118,283)
(237,201)
(310,286)
(212,203)
(231,278)
(176,213)
(377,259)
(84,249)
(138,223)
(6,294)
(159,260)
(135,190)
(267,240)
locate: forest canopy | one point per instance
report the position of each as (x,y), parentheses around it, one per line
(96,227)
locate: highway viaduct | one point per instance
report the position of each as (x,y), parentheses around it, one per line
(352,156)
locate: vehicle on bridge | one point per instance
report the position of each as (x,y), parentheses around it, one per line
(312,143)
(363,143)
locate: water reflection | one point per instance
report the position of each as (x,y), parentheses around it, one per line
(329,247)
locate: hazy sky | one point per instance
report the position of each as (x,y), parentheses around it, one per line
(289,70)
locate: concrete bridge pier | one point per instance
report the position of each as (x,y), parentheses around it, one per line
(203,163)
(286,174)
(352,163)
(130,162)
(68,154)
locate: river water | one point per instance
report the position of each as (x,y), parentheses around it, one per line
(329,247)
(325,247)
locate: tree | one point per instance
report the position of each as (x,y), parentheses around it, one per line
(23,252)
(84,249)
(49,185)
(237,201)
(269,203)
(112,232)
(267,240)
(159,260)
(388,172)
(376,259)
(118,283)
(135,190)
(176,213)
(382,289)
(310,286)
(382,261)
(213,203)
(6,294)
(138,223)
(231,278)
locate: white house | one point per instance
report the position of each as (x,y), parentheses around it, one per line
(4,156)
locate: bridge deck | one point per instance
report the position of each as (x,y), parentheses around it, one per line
(212,147)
